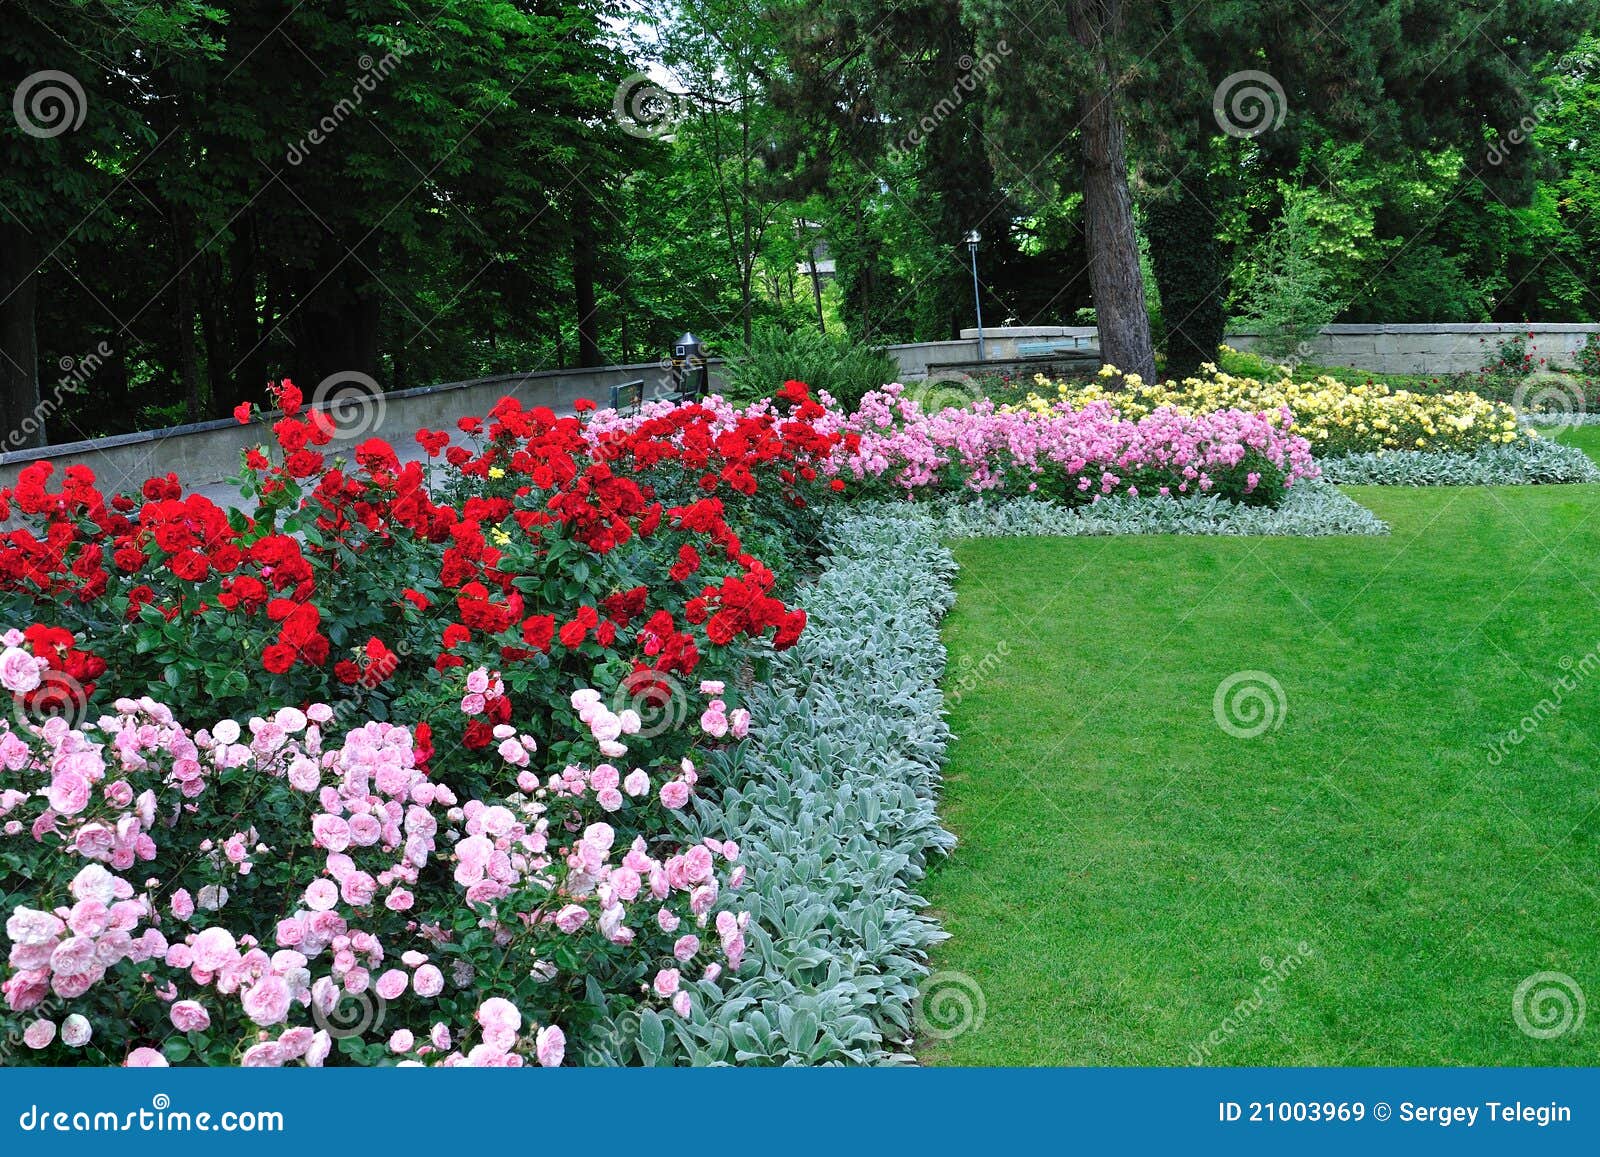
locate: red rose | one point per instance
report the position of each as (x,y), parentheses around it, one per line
(303,464)
(573,634)
(277,658)
(538,630)
(189,565)
(241,413)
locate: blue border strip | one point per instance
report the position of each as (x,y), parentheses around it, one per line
(768,1113)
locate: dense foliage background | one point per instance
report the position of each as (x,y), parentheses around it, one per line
(426,193)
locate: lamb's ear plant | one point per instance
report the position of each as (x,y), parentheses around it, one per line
(1540,461)
(1310,510)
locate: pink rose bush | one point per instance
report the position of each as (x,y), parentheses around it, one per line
(290,891)
(1073,455)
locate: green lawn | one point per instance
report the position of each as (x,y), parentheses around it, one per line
(1129,872)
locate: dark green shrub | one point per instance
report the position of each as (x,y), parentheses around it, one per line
(846,369)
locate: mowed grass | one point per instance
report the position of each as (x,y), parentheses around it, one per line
(1364,883)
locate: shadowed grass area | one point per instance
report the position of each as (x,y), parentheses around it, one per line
(1130,874)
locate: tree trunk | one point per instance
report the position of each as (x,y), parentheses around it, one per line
(243,375)
(1113,247)
(1189,273)
(583,277)
(183,284)
(816,292)
(23,422)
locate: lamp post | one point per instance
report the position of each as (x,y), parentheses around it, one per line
(973,237)
(687,355)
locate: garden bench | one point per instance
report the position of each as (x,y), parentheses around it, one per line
(627,397)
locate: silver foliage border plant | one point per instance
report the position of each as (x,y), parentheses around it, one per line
(1526,464)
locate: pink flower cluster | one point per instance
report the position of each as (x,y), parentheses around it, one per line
(1094,451)
(373,863)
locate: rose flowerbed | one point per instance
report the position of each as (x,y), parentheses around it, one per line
(416,734)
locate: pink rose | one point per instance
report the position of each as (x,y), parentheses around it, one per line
(19,671)
(214,949)
(189,1016)
(428,981)
(69,792)
(666,982)
(571,918)
(499,1013)
(365,831)
(39,1034)
(267,1002)
(25,990)
(674,794)
(32,926)
(637,783)
(331,832)
(317,1052)
(392,983)
(144,1058)
(550,1046)
(265,1055)
(686,947)
(76,1031)
(358,889)
(321,895)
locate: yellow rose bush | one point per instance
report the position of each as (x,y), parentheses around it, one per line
(1337,418)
